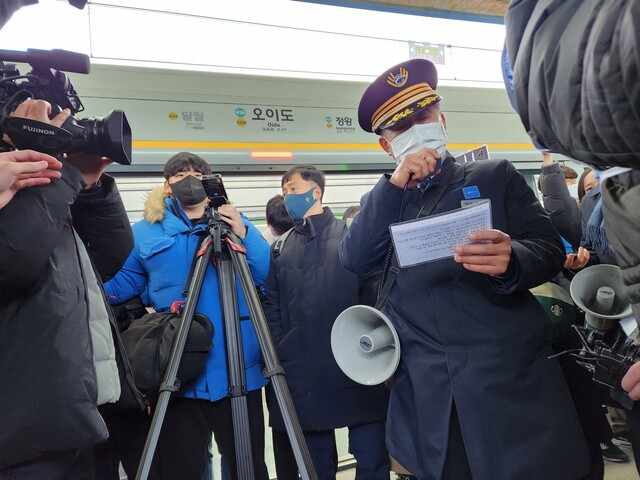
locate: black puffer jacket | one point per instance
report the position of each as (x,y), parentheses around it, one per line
(102,223)
(576,71)
(49,393)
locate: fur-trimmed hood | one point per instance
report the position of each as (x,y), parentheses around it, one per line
(154,205)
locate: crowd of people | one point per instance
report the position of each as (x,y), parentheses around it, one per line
(477,346)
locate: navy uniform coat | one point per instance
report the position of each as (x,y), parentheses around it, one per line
(473,339)
(307,288)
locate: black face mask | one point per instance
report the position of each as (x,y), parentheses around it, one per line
(188,191)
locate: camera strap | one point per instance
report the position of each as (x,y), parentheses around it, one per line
(391,262)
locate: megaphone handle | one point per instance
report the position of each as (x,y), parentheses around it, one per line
(376,339)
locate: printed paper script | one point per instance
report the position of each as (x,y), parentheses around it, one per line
(434,238)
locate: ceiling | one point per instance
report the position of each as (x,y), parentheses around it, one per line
(474,10)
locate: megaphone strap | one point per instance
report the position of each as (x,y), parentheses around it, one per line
(391,278)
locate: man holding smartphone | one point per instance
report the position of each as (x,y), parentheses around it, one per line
(159,264)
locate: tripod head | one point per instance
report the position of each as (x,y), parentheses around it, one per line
(217,195)
(218,228)
(221,233)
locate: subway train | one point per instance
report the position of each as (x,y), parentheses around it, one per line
(251,129)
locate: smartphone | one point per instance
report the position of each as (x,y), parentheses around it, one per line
(215,190)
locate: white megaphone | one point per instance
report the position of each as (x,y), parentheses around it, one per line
(601,293)
(365,345)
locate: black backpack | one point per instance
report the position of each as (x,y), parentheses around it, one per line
(149,339)
(148,342)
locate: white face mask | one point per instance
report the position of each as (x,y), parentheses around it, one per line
(419,136)
(573,190)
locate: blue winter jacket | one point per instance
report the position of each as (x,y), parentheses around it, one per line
(161,263)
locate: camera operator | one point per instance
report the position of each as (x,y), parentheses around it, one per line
(160,262)
(58,361)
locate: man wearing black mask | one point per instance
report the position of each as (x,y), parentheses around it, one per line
(159,264)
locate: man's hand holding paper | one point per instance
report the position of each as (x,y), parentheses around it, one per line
(491,255)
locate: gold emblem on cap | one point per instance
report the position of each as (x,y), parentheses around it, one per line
(428,101)
(399,79)
(400,115)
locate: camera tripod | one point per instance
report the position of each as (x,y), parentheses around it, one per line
(229,254)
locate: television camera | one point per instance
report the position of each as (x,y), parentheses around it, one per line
(108,136)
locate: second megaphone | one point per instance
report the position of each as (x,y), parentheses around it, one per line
(365,345)
(600,292)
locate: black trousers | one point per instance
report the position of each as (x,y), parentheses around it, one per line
(182,447)
(128,431)
(588,398)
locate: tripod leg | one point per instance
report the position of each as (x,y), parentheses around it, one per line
(273,369)
(235,368)
(170,383)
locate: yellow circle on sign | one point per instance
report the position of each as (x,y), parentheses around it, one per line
(241,122)
(173,115)
(329,125)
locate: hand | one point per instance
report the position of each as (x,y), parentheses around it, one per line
(25,168)
(414,167)
(491,256)
(577,261)
(91,166)
(631,381)
(38,110)
(230,215)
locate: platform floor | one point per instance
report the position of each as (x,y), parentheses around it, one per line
(612,471)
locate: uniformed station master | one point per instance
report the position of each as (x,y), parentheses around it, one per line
(475,394)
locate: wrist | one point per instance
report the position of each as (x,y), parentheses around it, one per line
(397,180)
(242,232)
(547,158)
